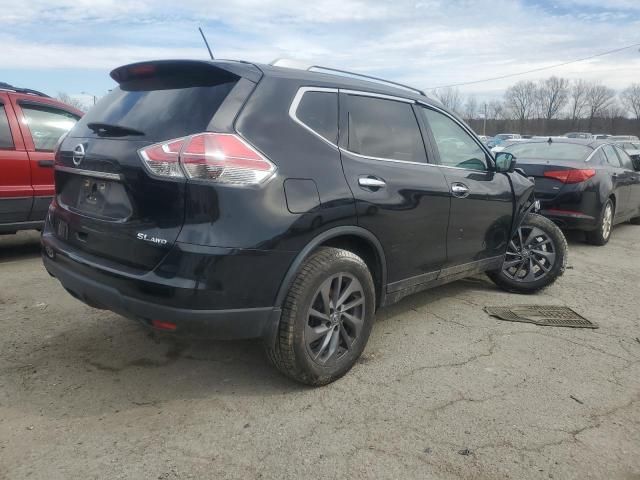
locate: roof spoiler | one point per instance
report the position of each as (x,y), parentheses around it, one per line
(141,70)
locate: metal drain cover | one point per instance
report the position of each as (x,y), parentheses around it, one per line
(548,315)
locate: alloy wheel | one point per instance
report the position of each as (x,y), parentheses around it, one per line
(335,318)
(530,256)
(607,221)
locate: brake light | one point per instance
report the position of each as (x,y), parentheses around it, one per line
(216,157)
(163,159)
(571,175)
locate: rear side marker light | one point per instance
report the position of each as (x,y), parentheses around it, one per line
(571,175)
(214,157)
(160,325)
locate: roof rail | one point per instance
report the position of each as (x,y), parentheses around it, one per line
(285,62)
(346,73)
(10,88)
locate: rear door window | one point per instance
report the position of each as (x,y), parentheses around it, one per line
(612,157)
(46,124)
(6,140)
(319,111)
(384,129)
(456,147)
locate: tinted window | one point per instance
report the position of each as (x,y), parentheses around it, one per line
(319,111)
(612,158)
(598,157)
(625,159)
(160,113)
(550,151)
(456,147)
(384,129)
(47,124)
(6,140)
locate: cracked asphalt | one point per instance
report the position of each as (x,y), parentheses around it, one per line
(442,391)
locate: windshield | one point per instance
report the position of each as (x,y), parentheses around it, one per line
(550,151)
(504,136)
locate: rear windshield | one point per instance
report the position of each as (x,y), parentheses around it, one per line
(159,109)
(550,151)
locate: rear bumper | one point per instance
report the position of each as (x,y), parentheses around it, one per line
(220,324)
(575,207)
(571,220)
(210,292)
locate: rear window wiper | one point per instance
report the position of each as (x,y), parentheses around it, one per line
(112,130)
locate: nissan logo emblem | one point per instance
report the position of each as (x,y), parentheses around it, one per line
(78,154)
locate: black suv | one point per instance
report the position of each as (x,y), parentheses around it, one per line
(228,199)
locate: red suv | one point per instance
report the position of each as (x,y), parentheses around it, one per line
(30,125)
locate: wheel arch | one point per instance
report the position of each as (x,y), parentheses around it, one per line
(356,239)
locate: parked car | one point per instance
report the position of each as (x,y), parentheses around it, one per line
(583,135)
(502,137)
(30,125)
(238,200)
(623,138)
(582,184)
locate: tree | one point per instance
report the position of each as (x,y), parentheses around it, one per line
(71,101)
(520,100)
(449,97)
(471,108)
(630,98)
(553,94)
(577,100)
(598,98)
(495,110)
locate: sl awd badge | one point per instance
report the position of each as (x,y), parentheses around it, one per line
(156,240)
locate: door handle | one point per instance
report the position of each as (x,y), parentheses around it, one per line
(45,163)
(459,190)
(371,182)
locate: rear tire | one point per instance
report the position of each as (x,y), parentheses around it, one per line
(536,257)
(635,221)
(601,235)
(326,318)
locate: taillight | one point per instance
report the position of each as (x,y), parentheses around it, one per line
(163,159)
(571,175)
(215,157)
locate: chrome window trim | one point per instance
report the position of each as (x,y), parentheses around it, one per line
(381,159)
(361,93)
(293,109)
(593,153)
(89,173)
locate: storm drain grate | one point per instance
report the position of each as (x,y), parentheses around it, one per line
(547,315)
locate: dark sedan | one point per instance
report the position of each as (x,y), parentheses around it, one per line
(582,184)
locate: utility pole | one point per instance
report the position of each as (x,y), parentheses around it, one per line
(484,122)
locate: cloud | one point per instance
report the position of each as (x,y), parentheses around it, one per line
(427,43)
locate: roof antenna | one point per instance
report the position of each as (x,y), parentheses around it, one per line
(206,43)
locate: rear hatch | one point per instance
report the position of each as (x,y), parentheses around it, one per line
(112,206)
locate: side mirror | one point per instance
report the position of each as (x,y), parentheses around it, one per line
(505,162)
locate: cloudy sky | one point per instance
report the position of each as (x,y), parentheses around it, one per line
(71,45)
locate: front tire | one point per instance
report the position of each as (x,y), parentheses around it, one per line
(326,319)
(601,235)
(535,258)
